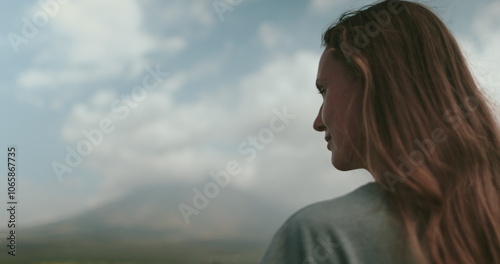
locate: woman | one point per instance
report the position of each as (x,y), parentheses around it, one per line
(400,102)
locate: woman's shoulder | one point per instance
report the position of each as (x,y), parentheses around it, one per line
(363,211)
(366,199)
(354,228)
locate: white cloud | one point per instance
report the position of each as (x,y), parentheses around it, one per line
(89,35)
(285,78)
(271,36)
(90,41)
(173,44)
(34,78)
(157,139)
(102,99)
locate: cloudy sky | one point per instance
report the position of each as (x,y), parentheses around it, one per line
(102,97)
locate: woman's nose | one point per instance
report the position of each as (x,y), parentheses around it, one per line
(318,122)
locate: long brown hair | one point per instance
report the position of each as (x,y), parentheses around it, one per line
(431,137)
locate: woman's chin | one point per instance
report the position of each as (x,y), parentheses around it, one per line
(342,164)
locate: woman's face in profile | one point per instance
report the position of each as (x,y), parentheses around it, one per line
(340,114)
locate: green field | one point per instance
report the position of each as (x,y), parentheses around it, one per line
(130,252)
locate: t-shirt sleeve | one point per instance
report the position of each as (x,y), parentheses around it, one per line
(301,241)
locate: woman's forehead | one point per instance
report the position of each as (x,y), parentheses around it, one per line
(329,67)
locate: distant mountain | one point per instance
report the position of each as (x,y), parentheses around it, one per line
(152,213)
(146,226)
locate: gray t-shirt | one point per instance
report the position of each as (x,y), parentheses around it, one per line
(359,227)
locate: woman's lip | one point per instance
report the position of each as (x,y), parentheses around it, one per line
(329,145)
